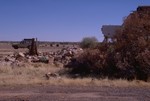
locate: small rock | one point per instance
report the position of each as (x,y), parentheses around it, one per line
(51,75)
(21,54)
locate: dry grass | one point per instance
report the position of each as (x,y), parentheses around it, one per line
(96,82)
(26,74)
(34,74)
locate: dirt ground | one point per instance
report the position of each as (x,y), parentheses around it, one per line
(73,93)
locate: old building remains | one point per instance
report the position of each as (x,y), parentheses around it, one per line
(109,32)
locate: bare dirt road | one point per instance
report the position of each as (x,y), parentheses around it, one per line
(75,93)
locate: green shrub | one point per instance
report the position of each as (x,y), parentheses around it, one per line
(88,42)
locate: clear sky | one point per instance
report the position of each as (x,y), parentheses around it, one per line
(61,20)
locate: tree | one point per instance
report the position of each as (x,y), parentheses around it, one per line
(133,45)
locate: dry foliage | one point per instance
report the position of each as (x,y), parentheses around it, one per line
(133,45)
(91,61)
(128,58)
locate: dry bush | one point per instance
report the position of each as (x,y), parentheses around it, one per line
(90,63)
(133,46)
(93,62)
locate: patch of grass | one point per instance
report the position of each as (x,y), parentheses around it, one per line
(34,75)
(28,74)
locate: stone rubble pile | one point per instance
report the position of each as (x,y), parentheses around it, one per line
(62,56)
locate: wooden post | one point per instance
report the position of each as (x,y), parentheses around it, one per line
(33,49)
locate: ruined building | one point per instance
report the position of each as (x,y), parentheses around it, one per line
(109,32)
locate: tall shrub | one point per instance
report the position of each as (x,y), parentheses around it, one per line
(133,45)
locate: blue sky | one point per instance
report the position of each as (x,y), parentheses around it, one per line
(61,20)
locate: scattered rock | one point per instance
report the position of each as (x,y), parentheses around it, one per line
(51,75)
(62,56)
(44,59)
(21,54)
